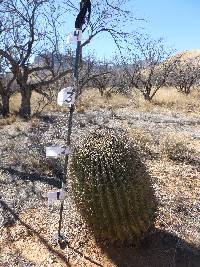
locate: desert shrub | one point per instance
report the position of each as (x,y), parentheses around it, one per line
(90,99)
(7,121)
(175,148)
(112,188)
(142,140)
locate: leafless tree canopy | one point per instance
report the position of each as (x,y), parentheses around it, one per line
(107,17)
(29,29)
(147,66)
(185,74)
(32,29)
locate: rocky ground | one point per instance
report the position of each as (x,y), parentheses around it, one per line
(27,222)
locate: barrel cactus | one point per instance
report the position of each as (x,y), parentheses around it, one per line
(111,187)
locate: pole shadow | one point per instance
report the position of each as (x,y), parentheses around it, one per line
(45,242)
(33,177)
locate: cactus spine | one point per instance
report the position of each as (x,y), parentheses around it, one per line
(111,187)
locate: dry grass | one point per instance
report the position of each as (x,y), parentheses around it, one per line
(175,147)
(171,146)
(15,101)
(34,122)
(142,139)
(177,185)
(91,99)
(168,98)
(8,121)
(37,103)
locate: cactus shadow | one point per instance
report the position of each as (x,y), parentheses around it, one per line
(160,249)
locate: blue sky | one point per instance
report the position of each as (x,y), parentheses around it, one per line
(178,21)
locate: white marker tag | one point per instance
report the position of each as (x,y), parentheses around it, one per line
(54,196)
(66,96)
(74,37)
(56,151)
(78,35)
(70,38)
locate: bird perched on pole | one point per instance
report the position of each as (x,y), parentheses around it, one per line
(85,7)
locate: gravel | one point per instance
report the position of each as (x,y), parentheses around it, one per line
(26,175)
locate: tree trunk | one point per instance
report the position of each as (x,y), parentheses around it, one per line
(147,93)
(25,109)
(5,105)
(147,97)
(101,90)
(187,90)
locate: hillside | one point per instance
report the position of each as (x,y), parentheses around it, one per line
(186,55)
(189,54)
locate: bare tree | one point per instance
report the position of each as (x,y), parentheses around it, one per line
(120,78)
(94,74)
(7,86)
(185,74)
(147,65)
(6,90)
(109,17)
(29,31)
(103,76)
(31,28)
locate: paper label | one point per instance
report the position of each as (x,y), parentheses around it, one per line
(56,151)
(74,36)
(58,195)
(66,96)
(78,35)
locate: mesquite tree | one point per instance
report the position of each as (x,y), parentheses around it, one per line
(30,29)
(103,75)
(103,79)
(108,17)
(185,74)
(7,87)
(147,65)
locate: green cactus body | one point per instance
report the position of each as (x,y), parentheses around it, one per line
(111,187)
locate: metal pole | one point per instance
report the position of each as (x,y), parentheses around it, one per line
(61,241)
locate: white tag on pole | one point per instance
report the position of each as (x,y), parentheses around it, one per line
(78,35)
(58,195)
(71,38)
(74,36)
(66,96)
(56,151)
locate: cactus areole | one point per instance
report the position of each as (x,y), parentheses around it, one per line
(111,187)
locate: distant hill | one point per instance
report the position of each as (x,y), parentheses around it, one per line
(189,53)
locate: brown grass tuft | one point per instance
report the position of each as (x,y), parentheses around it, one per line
(175,147)
(142,139)
(91,99)
(7,121)
(168,98)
